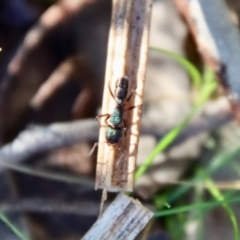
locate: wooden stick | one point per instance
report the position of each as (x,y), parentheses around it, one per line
(123,220)
(127,56)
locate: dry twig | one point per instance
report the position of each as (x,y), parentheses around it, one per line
(218,42)
(38,205)
(39,139)
(127,56)
(123,219)
(73,67)
(50,49)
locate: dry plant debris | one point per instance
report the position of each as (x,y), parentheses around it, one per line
(218,41)
(123,220)
(127,56)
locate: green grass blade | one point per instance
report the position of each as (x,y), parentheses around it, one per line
(12,227)
(217,162)
(205,205)
(221,160)
(220,197)
(207,89)
(162,145)
(192,71)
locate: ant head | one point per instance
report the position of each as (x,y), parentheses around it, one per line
(121,90)
(123,82)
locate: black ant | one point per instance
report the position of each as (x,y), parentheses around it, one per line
(115,122)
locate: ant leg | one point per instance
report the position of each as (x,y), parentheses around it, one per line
(110,90)
(107,116)
(119,160)
(125,127)
(106,119)
(115,145)
(120,149)
(132,107)
(92,150)
(129,97)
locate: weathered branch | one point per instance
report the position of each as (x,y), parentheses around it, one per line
(218,41)
(38,205)
(38,139)
(41,139)
(123,220)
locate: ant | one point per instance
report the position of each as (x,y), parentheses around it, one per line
(115,122)
(116,118)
